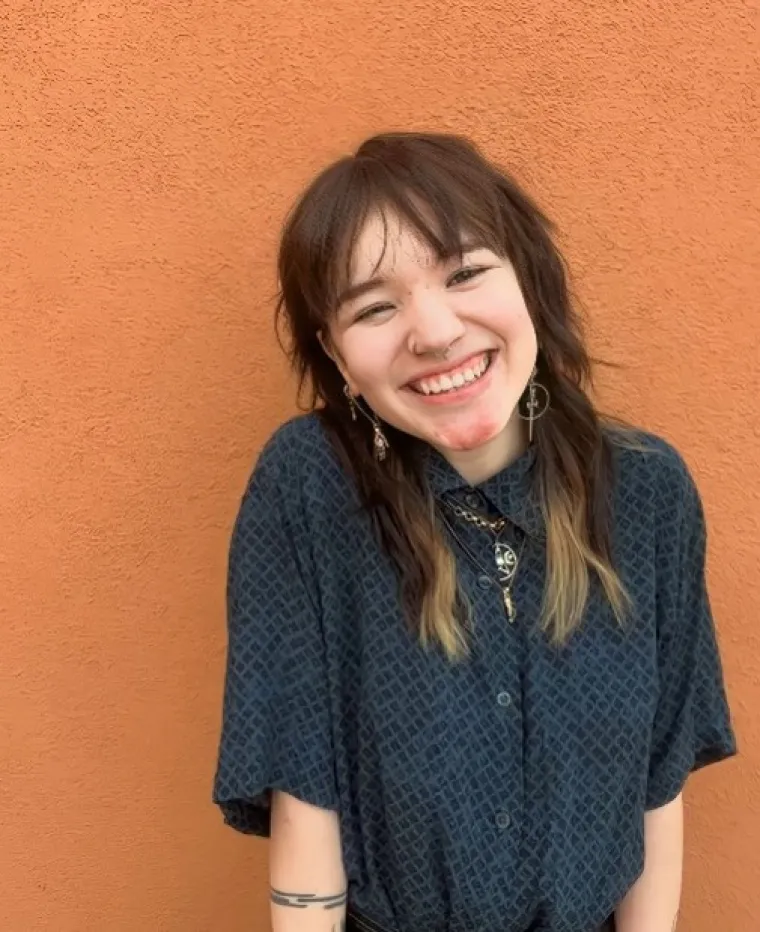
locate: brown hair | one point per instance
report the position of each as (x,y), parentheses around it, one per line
(443,188)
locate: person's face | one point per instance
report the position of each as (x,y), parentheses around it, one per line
(404,309)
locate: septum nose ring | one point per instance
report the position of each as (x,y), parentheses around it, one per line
(439,354)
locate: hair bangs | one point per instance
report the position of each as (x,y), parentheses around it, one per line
(449,212)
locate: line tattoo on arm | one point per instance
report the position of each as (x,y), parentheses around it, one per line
(305,900)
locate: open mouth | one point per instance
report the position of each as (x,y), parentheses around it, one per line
(455,379)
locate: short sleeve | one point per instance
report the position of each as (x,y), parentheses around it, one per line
(692,726)
(276,729)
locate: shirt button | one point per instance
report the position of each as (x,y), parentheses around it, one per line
(472,499)
(504,699)
(503,819)
(484,582)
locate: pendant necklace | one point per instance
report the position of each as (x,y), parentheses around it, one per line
(506,558)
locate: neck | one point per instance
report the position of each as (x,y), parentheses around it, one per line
(478,465)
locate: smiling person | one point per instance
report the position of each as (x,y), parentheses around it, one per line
(471,658)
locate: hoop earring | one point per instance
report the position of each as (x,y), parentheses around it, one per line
(537,404)
(380,445)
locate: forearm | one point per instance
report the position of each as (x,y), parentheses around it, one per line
(308,883)
(651,905)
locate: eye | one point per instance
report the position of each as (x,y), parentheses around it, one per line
(369,313)
(466,274)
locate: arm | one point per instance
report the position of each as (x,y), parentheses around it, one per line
(306,868)
(651,905)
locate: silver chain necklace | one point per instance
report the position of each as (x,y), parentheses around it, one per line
(507,559)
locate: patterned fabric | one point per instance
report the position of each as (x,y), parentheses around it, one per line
(501,793)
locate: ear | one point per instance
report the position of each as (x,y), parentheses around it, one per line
(331,351)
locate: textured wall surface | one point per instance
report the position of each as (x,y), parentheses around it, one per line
(147,154)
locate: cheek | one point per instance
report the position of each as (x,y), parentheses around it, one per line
(512,321)
(367,360)
(501,307)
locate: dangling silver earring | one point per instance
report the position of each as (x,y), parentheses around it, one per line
(380,445)
(379,442)
(537,404)
(351,401)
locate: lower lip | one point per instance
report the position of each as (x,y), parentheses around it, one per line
(465,393)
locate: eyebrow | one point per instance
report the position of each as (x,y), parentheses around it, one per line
(361,288)
(352,292)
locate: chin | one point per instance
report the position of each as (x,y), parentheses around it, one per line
(468,435)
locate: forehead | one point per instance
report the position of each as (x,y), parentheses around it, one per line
(385,243)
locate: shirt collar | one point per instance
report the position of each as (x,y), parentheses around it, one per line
(511,492)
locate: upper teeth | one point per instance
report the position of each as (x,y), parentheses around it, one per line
(444,383)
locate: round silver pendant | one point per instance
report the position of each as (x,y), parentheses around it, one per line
(506,561)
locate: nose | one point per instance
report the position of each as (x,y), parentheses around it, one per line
(434,326)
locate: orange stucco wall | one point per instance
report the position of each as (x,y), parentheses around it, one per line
(148,151)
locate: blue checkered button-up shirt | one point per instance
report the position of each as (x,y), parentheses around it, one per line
(484,795)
